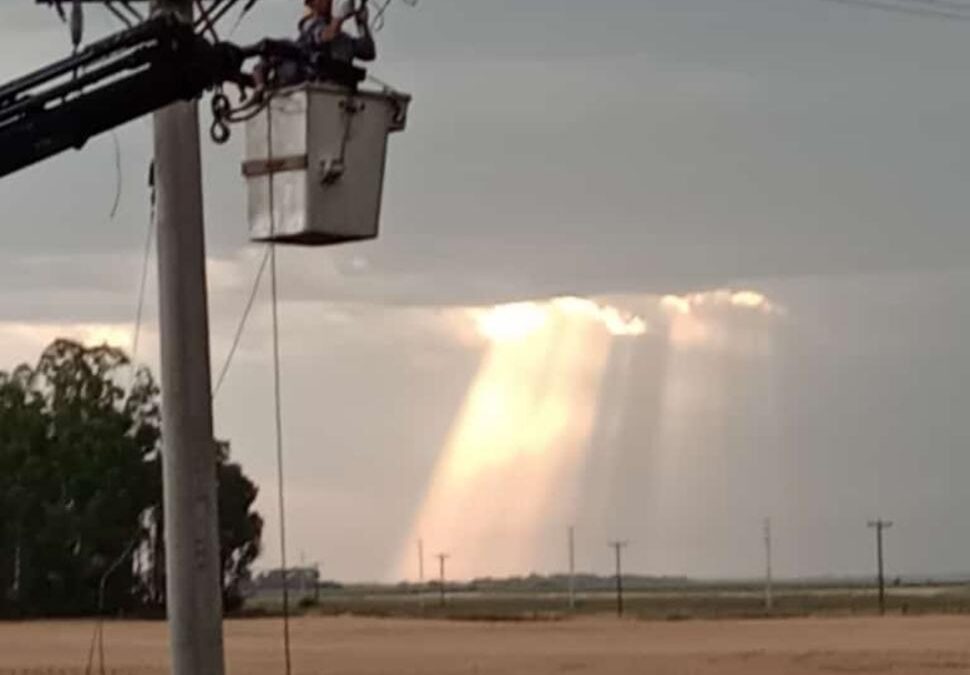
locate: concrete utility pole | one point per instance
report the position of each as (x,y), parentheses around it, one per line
(879,526)
(189,451)
(442,557)
(769,581)
(618,546)
(572,568)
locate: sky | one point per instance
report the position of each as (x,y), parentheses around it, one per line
(657,269)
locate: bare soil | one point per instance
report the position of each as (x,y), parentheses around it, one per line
(601,646)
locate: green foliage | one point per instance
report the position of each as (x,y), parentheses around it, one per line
(80,488)
(240,529)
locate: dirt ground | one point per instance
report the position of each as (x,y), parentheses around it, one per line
(898,645)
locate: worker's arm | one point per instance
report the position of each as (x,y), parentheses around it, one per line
(334,28)
(344,47)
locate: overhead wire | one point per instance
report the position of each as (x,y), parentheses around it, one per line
(242,15)
(118,14)
(379,18)
(280,476)
(942,4)
(146,257)
(206,14)
(136,15)
(97,639)
(118,175)
(219,10)
(277,399)
(241,326)
(921,11)
(207,22)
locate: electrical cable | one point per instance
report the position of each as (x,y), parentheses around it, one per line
(207,23)
(146,256)
(97,639)
(217,15)
(206,14)
(241,326)
(118,14)
(278,398)
(131,10)
(379,19)
(242,15)
(943,4)
(924,12)
(118,175)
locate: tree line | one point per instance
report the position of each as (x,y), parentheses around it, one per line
(81,520)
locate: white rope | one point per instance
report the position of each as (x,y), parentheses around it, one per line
(240,328)
(146,257)
(281,487)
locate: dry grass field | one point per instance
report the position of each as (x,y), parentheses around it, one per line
(356,646)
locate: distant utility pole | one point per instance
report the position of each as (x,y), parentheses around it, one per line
(618,547)
(421,561)
(421,573)
(194,596)
(769,582)
(879,526)
(442,557)
(572,568)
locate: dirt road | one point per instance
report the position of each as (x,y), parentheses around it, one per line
(902,646)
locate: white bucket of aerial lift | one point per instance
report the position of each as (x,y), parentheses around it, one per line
(315,161)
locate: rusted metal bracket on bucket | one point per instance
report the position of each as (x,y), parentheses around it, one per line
(266,167)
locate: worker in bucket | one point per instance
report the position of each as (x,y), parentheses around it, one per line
(322,29)
(322,40)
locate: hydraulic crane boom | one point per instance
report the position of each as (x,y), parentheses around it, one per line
(109,83)
(122,77)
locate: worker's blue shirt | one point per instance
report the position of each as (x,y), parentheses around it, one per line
(343,47)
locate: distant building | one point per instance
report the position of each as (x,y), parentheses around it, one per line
(302,582)
(297,578)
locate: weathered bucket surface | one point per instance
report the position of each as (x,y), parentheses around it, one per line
(315,158)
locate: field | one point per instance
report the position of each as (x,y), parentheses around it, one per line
(673,602)
(594,645)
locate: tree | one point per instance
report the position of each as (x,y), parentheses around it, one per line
(240,528)
(80,487)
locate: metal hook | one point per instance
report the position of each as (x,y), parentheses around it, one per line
(219,132)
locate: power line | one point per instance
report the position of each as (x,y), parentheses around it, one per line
(379,18)
(118,175)
(242,325)
(146,256)
(281,481)
(421,573)
(941,4)
(442,557)
(242,15)
(618,547)
(572,567)
(769,581)
(97,639)
(879,526)
(277,399)
(925,12)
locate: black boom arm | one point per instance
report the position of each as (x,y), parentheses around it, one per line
(130,74)
(109,83)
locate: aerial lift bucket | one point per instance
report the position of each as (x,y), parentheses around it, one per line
(315,157)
